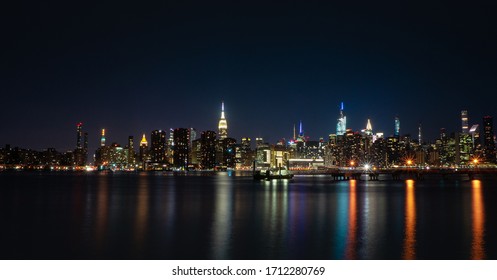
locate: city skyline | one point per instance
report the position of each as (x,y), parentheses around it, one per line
(222,125)
(134,69)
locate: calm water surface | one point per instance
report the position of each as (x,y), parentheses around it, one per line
(229,216)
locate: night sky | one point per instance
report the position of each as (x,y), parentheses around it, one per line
(132,69)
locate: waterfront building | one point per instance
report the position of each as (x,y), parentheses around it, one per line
(131,152)
(488,140)
(263,153)
(181,148)
(81,151)
(196,153)
(207,149)
(393,154)
(158,148)
(229,152)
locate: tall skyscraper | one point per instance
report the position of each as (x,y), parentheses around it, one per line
(488,141)
(131,151)
(464,121)
(158,146)
(397,127)
(342,122)
(181,147)
(143,151)
(102,138)
(223,125)
(208,149)
(79,136)
(81,152)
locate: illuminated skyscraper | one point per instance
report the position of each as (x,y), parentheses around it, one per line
(207,149)
(397,127)
(143,151)
(102,138)
(223,125)
(488,141)
(181,147)
(81,152)
(369,128)
(158,146)
(464,121)
(342,122)
(79,136)
(131,151)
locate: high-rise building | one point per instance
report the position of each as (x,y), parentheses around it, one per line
(79,136)
(143,156)
(463,149)
(464,121)
(158,147)
(181,148)
(397,127)
(342,122)
(208,149)
(223,124)
(131,151)
(81,151)
(102,138)
(488,140)
(245,153)
(229,152)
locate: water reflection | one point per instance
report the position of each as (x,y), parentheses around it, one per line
(277,206)
(478,226)
(223,217)
(102,215)
(410,222)
(351,247)
(141,213)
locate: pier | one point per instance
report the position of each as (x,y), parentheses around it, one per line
(401,173)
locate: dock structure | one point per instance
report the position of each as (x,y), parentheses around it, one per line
(344,174)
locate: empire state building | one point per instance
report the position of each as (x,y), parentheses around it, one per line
(223,125)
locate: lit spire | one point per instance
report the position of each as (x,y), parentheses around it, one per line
(223,124)
(301,132)
(419,135)
(369,126)
(294,132)
(222,110)
(143,142)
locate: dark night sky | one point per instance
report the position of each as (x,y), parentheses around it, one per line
(132,69)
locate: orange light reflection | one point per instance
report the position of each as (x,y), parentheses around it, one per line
(350,251)
(478,226)
(410,222)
